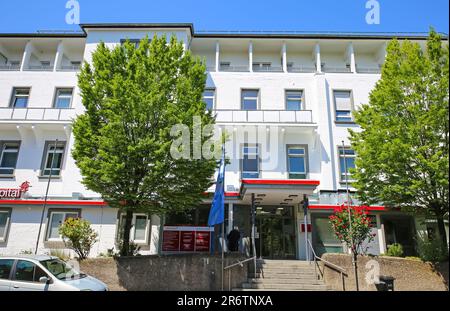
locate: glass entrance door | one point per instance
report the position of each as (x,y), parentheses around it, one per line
(276,232)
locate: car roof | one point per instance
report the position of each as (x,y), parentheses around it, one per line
(30,257)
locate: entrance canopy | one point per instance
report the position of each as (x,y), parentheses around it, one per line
(276,192)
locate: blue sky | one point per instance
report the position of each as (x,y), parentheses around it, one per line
(232,15)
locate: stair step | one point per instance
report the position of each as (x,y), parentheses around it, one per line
(283,276)
(282,286)
(275,290)
(285,281)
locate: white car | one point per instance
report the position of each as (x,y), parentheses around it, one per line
(43,273)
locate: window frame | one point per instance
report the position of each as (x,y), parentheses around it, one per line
(352,120)
(302,99)
(210,89)
(134,41)
(47,146)
(56,96)
(8,212)
(258,100)
(12,276)
(3,143)
(148,225)
(14,96)
(341,180)
(258,160)
(305,157)
(50,214)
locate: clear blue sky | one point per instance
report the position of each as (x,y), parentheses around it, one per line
(233,15)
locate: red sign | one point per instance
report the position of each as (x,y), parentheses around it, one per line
(14,193)
(186,239)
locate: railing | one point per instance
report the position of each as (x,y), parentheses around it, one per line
(300,69)
(69,68)
(234,68)
(264,116)
(336,69)
(240,264)
(36,114)
(267,69)
(368,70)
(39,68)
(10,67)
(334,267)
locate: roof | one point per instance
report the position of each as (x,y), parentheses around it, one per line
(32,257)
(228,34)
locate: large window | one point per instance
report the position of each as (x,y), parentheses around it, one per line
(294,100)
(5,216)
(297,162)
(346,163)
(20,97)
(135,42)
(9,152)
(249,99)
(26,271)
(140,228)
(194,217)
(250,161)
(63,98)
(343,106)
(53,158)
(56,219)
(209,97)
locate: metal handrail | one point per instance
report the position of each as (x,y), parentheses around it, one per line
(238,263)
(337,268)
(26,118)
(279,111)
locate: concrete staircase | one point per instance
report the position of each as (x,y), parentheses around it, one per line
(283,275)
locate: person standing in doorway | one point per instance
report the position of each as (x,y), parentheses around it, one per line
(233,239)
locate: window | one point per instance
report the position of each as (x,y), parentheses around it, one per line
(250,162)
(63,98)
(9,152)
(346,161)
(249,99)
(135,42)
(5,268)
(294,100)
(261,66)
(343,106)
(45,64)
(56,219)
(296,162)
(139,228)
(20,97)
(209,98)
(3,59)
(26,271)
(53,158)
(5,216)
(225,65)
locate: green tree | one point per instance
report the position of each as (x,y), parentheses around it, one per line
(133,97)
(78,235)
(402,148)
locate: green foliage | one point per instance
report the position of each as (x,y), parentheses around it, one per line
(355,233)
(395,250)
(78,235)
(432,250)
(403,147)
(132,98)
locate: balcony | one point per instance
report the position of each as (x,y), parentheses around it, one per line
(301,69)
(257,68)
(36,114)
(229,68)
(40,68)
(10,67)
(370,70)
(336,69)
(264,116)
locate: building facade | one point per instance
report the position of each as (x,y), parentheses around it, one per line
(288,100)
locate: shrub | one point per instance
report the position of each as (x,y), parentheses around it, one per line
(79,236)
(395,250)
(432,250)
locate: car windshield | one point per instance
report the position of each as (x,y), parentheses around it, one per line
(61,269)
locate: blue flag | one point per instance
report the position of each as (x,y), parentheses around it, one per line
(217,212)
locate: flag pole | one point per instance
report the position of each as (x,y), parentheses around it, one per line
(223,223)
(46,197)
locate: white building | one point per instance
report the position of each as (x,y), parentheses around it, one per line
(303,87)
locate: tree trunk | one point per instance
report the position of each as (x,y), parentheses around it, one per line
(125,251)
(441,229)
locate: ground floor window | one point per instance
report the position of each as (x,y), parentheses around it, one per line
(5,216)
(195,217)
(400,229)
(56,219)
(140,228)
(324,240)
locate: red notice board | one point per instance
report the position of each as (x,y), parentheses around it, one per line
(186,239)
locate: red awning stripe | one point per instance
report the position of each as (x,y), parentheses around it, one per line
(280,182)
(53,202)
(325,206)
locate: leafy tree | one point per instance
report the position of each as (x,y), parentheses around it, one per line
(79,236)
(133,97)
(402,148)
